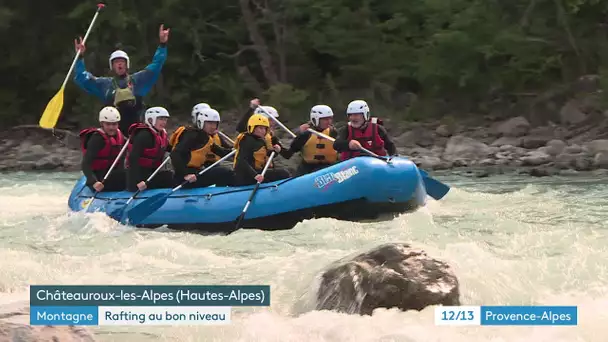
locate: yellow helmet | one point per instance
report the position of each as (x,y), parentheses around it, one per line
(257,120)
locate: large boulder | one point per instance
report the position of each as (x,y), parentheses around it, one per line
(567,160)
(27,152)
(24,155)
(464,148)
(596,146)
(444,131)
(514,127)
(390,275)
(15,327)
(573,149)
(571,113)
(513,141)
(535,141)
(535,158)
(555,147)
(601,160)
(417,136)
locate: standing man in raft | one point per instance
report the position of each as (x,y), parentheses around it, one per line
(123,90)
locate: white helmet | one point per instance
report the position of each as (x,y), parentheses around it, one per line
(267,109)
(320,111)
(109,114)
(154,113)
(119,54)
(208,114)
(358,107)
(196,110)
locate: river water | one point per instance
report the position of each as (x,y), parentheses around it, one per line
(510,240)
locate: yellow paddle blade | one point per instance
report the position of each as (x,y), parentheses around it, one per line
(52,110)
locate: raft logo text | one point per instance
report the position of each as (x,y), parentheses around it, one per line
(324,181)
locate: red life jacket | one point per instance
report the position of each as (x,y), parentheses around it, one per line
(151,157)
(369,139)
(106,156)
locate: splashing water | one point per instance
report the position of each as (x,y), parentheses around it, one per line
(511,241)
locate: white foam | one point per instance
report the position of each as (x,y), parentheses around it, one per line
(540,244)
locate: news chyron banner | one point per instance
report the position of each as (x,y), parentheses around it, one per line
(141,305)
(506,315)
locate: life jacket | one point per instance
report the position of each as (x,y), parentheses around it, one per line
(124,99)
(200,156)
(369,139)
(268,140)
(123,94)
(212,157)
(319,150)
(151,157)
(106,156)
(260,157)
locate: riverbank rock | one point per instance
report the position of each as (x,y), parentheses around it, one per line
(390,275)
(464,148)
(596,146)
(14,327)
(571,113)
(29,148)
(514,127)
(26,156)
(491,143)
(535,158)
(554,147)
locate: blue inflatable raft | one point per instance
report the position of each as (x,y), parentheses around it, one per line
(359,189)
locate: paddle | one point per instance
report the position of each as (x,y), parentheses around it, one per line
(255,189)
(226,137)
(293,135)
(122,150)
(139,212)
(434,188)
(118,213)
(53,108)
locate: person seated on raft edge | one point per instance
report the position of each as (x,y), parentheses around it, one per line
(362,131)
(100,147)
(198,147)
(146,152)
(252,151)
(317,153)
(196,110)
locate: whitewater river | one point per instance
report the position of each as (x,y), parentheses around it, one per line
(511,241)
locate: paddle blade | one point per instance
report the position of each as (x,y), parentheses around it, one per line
(434,188)
(139,212)
(117,213)
(52,111)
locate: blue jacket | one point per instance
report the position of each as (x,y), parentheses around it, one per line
(102,88)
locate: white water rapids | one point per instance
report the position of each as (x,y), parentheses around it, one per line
(511,241)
